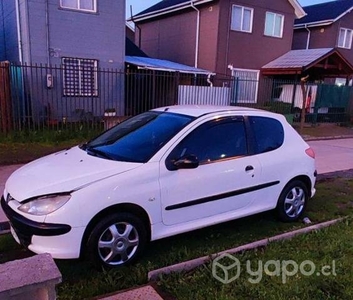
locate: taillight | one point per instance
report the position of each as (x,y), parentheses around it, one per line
(310,152)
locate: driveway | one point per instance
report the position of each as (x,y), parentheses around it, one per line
(333,155)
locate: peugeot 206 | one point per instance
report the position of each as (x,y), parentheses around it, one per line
(161,173)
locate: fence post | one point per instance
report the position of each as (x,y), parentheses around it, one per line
(236,85)
(5,98)
(303,80)
(294,94)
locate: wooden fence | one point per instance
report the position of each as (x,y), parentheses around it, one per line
(5,98)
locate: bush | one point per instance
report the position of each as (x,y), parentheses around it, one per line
(278,107)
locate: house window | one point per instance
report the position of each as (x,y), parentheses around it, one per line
(345,38)
(84,5)
(246,85)
(80,77)
(274,24)
(242,18)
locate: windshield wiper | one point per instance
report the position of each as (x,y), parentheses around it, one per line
(100,153)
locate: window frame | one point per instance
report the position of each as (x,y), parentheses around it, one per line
(206,126)
(274,25)
(81,91)
(242,18)
(254,141)
(94,10)
(346,30)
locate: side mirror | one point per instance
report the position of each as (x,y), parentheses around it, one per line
(186,162)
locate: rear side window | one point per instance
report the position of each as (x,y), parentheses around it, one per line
(268,133)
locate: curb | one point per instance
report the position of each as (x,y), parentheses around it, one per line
(319,138)
(194,263)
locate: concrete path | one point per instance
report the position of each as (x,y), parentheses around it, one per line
(331,156)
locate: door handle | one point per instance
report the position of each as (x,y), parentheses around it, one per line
(249,168)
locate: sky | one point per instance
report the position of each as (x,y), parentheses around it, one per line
(139,5)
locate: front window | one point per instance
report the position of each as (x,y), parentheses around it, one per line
(80,77)
(345,38)
(214,141)
(84,5)
(242,18)
(274,24)
(139,138)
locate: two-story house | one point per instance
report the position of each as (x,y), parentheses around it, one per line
(234,37)
(326,25)
(77,39)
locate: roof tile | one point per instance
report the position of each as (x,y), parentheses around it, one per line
(325,11)
(297,58)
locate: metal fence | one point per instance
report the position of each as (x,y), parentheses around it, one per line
(36,97)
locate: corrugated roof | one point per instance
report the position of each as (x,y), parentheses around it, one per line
(163,65)
(328,11)
(297,58)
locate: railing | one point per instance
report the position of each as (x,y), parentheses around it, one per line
(41,97)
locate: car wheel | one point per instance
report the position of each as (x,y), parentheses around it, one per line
(117,240)
(292,201)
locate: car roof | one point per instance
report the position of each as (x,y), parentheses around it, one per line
(199,110)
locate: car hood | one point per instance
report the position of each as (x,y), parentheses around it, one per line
(60,172)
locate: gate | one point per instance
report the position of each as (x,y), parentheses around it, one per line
(332,103)
(205,95)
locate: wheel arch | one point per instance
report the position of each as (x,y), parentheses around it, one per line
(306,180)
(133,209)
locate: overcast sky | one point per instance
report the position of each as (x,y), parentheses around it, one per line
(139,5)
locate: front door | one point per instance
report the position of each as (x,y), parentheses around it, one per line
(221,184)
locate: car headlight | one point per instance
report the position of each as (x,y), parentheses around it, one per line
(44,205)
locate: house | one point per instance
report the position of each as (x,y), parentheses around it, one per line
(326,25)
(225,36)
(61,49)
(48,31)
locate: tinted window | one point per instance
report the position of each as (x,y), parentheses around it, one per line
(139,138)
(213,141)
(269,134)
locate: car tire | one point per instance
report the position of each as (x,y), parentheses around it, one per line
(292,201)
(116,241)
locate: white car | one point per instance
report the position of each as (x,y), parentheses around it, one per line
(161,173)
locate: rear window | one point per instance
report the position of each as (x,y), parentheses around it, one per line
(269,134)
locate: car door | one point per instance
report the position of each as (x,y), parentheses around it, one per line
(223,179)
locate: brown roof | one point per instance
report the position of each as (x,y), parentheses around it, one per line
(299,61)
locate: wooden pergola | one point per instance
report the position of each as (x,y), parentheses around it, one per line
(317,63)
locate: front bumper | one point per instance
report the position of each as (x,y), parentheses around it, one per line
(26,229)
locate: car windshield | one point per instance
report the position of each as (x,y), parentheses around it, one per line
(138,138)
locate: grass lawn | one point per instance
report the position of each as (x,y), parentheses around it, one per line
(81,280)
(328,275)
(23,147)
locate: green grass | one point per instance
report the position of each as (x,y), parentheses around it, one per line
(25,146)
(52,135)
(81,280)
(332,247)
